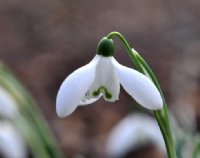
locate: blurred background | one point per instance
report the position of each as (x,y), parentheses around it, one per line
(43,41)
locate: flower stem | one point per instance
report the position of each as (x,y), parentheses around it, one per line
(160,115)
(196,147)
(128,48)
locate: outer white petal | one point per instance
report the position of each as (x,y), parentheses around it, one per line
(134,131)
(8,106)
(140,87)
(12,144)
(74,88)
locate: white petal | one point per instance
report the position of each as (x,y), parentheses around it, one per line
(8,105)
(73,89)
(140,87)
(12,144)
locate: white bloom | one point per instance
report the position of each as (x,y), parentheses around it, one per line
(132,132)
(102,77)
(12,144)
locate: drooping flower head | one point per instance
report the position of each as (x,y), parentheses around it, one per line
(102,78)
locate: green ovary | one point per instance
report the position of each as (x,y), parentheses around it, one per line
(107,94)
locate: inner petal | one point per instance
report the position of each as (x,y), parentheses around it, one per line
(106,81)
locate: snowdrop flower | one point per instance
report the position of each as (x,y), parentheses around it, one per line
(12,144)
(102,77)
(132,132)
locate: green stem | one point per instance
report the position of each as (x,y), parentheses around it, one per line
(196,148)
(127,47)
(160,115)
(31,114)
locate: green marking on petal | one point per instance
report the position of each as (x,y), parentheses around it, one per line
(102,88)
